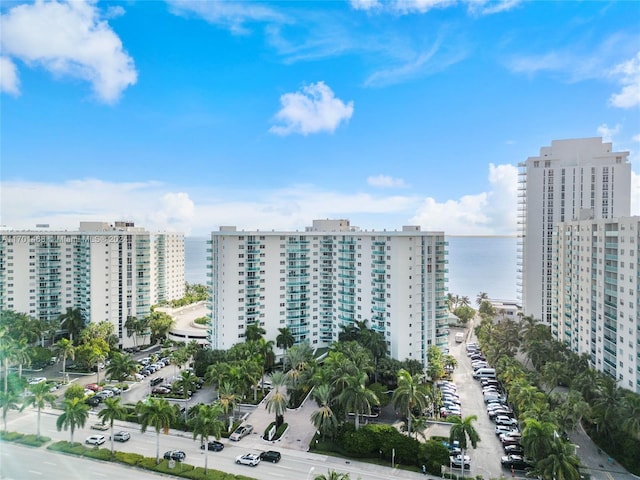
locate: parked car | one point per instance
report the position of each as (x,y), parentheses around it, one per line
(121,436)
(160,391)
(36,380)
(93,401)
(94,387)
(252,459)
(503,429)
(270,456)
(213,446)
(456,461)
(514,449)
(516,462)
(241,432)
(114,389)
(100,426)
(177,455)
(95,440)
(505,420)
(156,381)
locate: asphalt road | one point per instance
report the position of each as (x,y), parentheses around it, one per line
(295,464)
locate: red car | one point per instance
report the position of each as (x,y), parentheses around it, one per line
(94,386)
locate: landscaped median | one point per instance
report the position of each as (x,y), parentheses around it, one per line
(136,460)
(24,439)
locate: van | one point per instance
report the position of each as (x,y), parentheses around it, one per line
(459,337)
(484,373)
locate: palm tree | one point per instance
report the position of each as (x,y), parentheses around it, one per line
(64,347)
(21,354)
(187,382)
(8,401)
(277,403)
(228,400)
(631,405)
(324,419)
(72,320)
(552,374)
(207,423)
(131,325)
(7,354)
(284,340)
(121,366)
(112,411)
(560,463)
(356,398)
(39,398)
(332,475)
(253,332)
(537,438)
(482,296)
(410,394)
(157,413)
(75,415)
(461,431)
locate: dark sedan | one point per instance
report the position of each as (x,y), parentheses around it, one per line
(213,446)
(516,462)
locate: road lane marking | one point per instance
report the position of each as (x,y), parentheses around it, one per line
(33,471)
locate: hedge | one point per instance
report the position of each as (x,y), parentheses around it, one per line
(21,438)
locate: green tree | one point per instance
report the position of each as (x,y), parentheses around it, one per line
(560,462)
(39,397)
(409,395)
(277,404)
(464,313)
(332,475)
(156,413)
(356,398)
(631,406)
(160,324)
(122,365)
(188,383)
(112,411)
(73,322)
(463,431)
(8,401)
(74,391)
(285,340)
(64,348)
(253,332)
(537,438)
(482,296)
(324,419)
(206,423)
(74,415)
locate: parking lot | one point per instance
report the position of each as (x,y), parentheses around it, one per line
(485,459)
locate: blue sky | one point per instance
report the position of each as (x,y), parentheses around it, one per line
(187,115)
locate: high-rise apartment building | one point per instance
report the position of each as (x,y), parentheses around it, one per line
(109,272)
(597,294)
(571,179)
(329,276)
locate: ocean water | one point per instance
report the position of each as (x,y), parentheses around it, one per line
(476,264)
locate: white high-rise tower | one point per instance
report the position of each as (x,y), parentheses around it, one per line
(570,180)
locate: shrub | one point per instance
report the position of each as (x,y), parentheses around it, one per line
(98,453)
(10,436)
(33,440)
(74,391)
(128,458)
(433,454)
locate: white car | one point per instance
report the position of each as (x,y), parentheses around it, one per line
(36,380)
(240,433)
(252,459)
(456,461)
(95,440)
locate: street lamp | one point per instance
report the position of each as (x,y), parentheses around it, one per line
(310,472)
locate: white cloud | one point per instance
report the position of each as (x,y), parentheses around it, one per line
(9,82)
(69,39)
(607,133)
(385,181)
(636,138)
(404,7)
(313,109)
(156,206)
(628,74)
(231,15)
(485,213)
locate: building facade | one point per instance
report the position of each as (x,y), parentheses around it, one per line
(109,272)
(329,276)
(570,180)
(597,295)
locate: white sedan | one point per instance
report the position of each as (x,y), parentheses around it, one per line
(248,459)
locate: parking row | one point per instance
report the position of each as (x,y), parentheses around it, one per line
(507,427)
